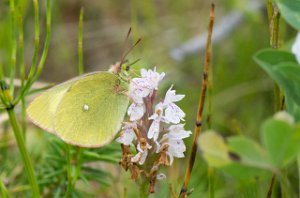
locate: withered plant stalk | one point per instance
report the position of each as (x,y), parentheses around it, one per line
(197,130)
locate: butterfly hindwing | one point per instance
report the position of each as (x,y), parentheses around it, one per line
(91,112)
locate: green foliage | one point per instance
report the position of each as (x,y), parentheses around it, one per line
(281,141)
(55,169)
(245,158)
(289,9)
(284,70)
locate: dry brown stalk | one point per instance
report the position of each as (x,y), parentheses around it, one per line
(197,130)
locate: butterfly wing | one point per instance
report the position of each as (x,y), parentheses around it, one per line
(92,110)
(41,110)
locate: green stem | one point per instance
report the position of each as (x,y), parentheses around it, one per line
(69,172)
(33,76)
(22,71)
(24,153)
(80,53)
(1,71)
(211,182)
(273,17)
(36,38)
(298,166)
(14,46)
(144,188)
(286,188)
(72,176)
(3,190)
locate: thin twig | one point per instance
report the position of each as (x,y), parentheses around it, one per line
(183,192)
(269,195)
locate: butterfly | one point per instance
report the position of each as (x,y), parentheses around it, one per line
(86,111)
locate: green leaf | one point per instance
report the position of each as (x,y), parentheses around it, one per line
(240,157)
(281,140)
(289,10)
(283,68)
(214,149)
(253,160)
(250,153)
(245,172)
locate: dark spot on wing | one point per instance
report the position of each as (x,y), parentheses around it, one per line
(234,157)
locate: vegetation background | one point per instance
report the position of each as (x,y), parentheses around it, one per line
(241,95)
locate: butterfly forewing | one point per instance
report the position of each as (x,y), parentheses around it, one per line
(92,110)
(42,109)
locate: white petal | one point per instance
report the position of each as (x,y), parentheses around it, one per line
(136,111)
(129,125)
(154,78)
(126,138)
(296,47)
(172,97)
(148,146)
(139,148)
(174,114)
(127,135)
(178,132)
(144,73)
(157,146)
(171,158)
(140,87)
(143,157)
(137,157)
(153,130)
(176,148)
(136,98)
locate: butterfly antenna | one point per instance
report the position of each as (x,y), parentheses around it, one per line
(128,66)
(126,39)
(129,50)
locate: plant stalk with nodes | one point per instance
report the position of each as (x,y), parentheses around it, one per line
(184,190)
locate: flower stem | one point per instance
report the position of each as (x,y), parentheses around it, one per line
(24,153)
(197,131)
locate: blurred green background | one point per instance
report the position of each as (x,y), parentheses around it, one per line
(241,93)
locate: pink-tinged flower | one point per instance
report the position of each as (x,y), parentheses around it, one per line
(136,111)
(141,156)
(296,47)
(157,117)
(173,113)
(153,77)
(177,132)
(127,136)
(144,86)
(140,87)
(176,149)
(171,97)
